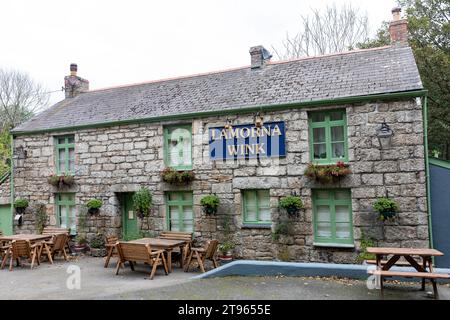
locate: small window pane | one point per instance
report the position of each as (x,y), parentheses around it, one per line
(263,198)
(63,217)
(318,117)
(323,214)
(264,214)
(251,214)
(337,133)
(188,213)
(188,226)
(320,151)
(174,196)
(337,115)
(341,195)
(342,231)
(250,198)
(342,214)
(323,230)
(319,135)
(71,140)
(338,150)
(61,140)
(72,219)
(321,194)
(187,196)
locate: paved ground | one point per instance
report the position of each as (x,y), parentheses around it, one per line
(49,282)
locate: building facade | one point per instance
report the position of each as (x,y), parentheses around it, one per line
(248,135)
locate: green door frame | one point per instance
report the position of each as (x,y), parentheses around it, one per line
(126,203)
(9,230)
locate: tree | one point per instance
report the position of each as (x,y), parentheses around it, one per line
(334,30)
(20,98)
(429,38)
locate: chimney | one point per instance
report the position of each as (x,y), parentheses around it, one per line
(73,84)
(259,56)
(398,28)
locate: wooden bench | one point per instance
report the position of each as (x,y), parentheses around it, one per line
(383,262)
(179,235)
(414,274)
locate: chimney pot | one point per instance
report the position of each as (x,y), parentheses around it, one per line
(73,84)
(73,69)
(396,13)
(259,56)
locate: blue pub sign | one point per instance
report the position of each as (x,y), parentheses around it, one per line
(247,141)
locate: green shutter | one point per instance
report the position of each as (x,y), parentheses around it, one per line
(66,211)
(181,136)
(256,207)
(328,137)
(65,154)
(180,211)
(333,222)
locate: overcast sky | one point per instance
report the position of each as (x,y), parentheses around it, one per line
(121,42)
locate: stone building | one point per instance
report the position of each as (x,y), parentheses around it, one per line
(248,134)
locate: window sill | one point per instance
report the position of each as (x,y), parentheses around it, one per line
(334,245)
(256,226)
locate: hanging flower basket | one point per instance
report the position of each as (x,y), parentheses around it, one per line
(327,173)
(210,203)
(387,208)
(292,205)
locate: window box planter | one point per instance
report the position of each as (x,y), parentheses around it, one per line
(61,181)
(327,173)
(175,177)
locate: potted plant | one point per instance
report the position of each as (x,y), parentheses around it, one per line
(292,204)
(94,205)
(80,244)
(20,205)
(172,176)
(210,203)
(327,173)
(387,208)
(142,201)
(97,246)
(225,250)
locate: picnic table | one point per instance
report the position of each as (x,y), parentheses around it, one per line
(32,238)
(165,244)
(424,270)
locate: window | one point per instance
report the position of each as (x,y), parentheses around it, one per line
(328,136)
(332,216)
(180,214)
(65,210)
(65,154)
(256,205)
(178,147)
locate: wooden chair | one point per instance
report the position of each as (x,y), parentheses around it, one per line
(207,252)
(4,247)
(110,244)
(50,230)
(56,245)
(132,252)
(178,235)
(21,249)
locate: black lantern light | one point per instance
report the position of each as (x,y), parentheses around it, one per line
(384,135)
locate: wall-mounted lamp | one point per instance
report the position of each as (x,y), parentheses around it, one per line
(20,153)
(384,135)
(229,124)
(258,120)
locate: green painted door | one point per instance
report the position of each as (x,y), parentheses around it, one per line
(129,218)
(6,219)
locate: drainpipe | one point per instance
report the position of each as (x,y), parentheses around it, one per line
(11,182)
(427,167)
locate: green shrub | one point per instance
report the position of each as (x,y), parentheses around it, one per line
(210,203)
(94,204)
(21,203)
(292,204)
(366,242)
(142,201)
(226,246)
(387,208)
(172,176)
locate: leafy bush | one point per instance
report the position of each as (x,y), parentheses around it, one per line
(41,217)
(226,246)
(97,242)
(94,204)
(281,229)
(61,181)
(366,242)
(142,201)
(80,240)
(210,203)
(292,204)
(172,176)
(21,203)
(327,173)
(387,208)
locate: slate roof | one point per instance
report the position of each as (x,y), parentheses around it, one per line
(355,73)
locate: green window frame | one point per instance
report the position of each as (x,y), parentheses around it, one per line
(332,216)
(178,144)
(65,154)
(328,136)
(256,207)
(66,211)
(180,211)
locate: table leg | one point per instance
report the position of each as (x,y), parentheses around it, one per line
(424,265)
(182,256)
(390,262)
(169,260)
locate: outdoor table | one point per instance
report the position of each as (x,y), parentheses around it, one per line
(164,244)
(408,253)
(33,238)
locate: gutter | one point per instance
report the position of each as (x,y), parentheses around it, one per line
(427,168)
(11,182)
(234,111)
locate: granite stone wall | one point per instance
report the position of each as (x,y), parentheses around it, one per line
(123,158)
